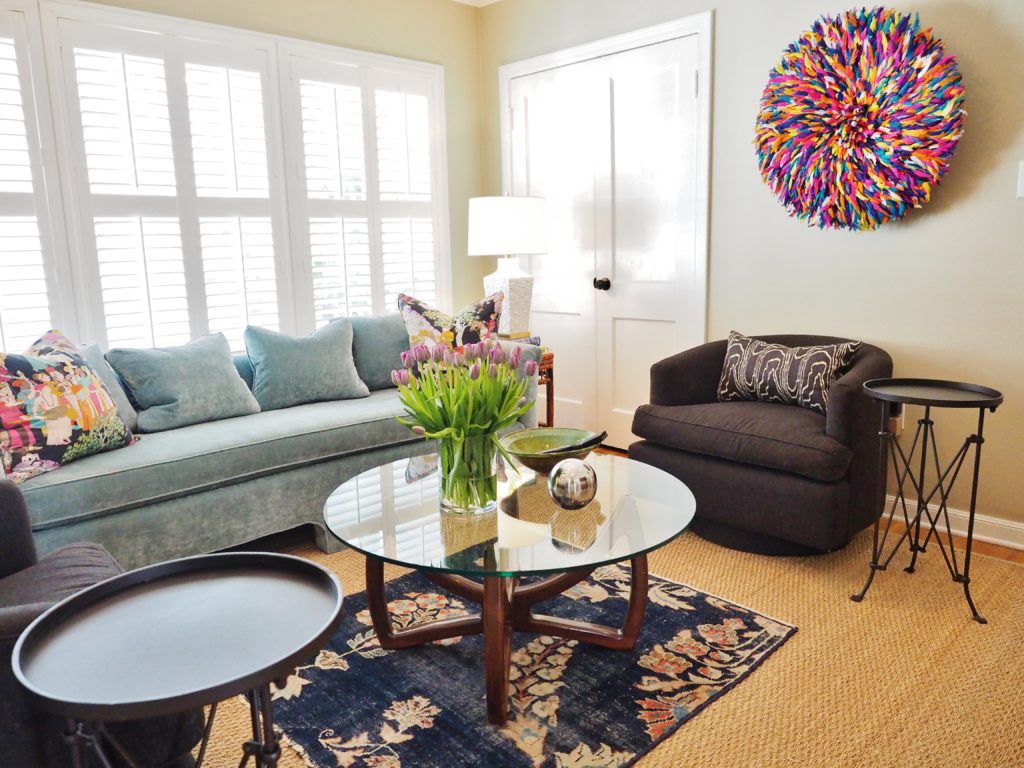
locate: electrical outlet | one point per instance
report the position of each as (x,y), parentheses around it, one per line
(1020,179)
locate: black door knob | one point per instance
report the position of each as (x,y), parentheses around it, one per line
(602,283)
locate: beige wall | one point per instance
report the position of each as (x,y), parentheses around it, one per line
(435,31)
(940,290)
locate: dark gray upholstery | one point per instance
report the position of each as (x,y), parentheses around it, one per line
(28,587)
(769,478)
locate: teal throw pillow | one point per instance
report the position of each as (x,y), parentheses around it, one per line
(377,345)
(177,386)
(290,371)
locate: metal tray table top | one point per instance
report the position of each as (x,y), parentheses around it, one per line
(175,635)
(934,392)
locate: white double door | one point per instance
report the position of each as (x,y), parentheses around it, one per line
(617,145)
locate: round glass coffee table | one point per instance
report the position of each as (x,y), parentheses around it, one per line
(391,514)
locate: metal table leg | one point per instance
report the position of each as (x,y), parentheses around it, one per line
(924,441)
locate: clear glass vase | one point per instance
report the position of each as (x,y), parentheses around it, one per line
(469,479)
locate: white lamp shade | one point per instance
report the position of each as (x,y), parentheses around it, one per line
(506,226)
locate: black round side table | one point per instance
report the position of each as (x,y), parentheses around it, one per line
(892,395)
(175,636)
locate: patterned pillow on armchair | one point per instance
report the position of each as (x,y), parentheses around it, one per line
(471,324)
(774,373)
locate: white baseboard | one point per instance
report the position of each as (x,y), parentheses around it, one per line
(994,530)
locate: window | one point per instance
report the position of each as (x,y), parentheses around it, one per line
(372,206)
(210,178)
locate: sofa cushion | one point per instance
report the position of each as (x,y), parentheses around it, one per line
(768,435)
(377,345)
(54,408)
(177,386)
(201,457)
(289,370)
(758,370)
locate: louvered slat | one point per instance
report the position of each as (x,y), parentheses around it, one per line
(342,273)
(229,146)
(24,304)
(126,126)
(15,164)
(403,146)
(408,259)
(332,134)
(239,274)
(142,278)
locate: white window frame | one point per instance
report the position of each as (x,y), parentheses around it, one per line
(74,244)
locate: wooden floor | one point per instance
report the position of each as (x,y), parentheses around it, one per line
(980,547)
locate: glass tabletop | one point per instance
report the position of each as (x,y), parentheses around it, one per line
(392,513)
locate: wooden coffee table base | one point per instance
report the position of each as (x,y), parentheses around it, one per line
(506,607)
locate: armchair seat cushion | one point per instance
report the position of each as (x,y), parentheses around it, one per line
(770,435)
(59,574)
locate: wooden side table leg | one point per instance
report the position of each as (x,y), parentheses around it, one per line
(497,617)
(549,398)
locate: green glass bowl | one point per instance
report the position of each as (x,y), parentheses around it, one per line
(526,445)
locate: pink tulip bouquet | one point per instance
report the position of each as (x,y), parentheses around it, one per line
(462,400)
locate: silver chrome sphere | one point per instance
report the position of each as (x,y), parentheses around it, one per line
(572,483)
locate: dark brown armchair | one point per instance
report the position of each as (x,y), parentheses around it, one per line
(28,586)
(768,478)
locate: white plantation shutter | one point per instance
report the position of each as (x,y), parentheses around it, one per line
(342,268)
(142,276)
(15,164)
(27,259)
(332,135)
(239,274)
(373,202)
(126,126)
(208,178)
(24,302)
(178,181)
(229,148)
(403,146)
(408,259)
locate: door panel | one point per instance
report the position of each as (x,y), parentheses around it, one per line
(611,143)
(553,154)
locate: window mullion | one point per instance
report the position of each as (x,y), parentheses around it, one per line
(296,197)
(184,173)
(74,184)
(373,217)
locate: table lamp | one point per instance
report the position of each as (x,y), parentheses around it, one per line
(508,227)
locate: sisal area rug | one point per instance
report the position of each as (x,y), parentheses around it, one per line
(571,704)
(904,679)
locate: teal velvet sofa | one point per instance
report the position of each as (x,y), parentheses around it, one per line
(218,484)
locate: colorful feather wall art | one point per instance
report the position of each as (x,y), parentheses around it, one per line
(859,119)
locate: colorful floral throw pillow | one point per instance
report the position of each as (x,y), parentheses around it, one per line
(54,409)
(470,325)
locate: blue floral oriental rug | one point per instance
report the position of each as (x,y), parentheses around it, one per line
(571,704)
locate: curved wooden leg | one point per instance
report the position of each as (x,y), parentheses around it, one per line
(391,638)
(621,638)
(497,644)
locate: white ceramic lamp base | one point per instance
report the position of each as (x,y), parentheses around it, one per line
(517,286)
